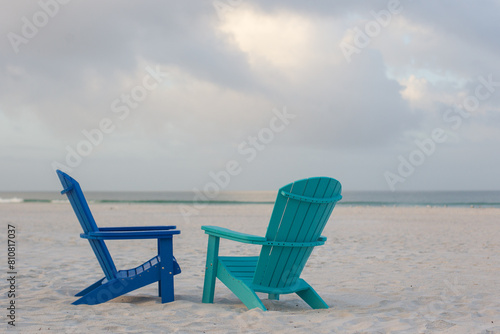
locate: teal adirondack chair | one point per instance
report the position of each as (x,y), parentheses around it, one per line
(300,213)
(160,268)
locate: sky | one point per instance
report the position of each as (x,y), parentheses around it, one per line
(250,95)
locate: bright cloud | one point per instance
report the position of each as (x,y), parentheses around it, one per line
(280,39)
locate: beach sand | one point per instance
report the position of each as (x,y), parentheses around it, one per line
(382,270)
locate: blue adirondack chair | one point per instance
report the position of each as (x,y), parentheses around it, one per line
(160,268)
(300,213)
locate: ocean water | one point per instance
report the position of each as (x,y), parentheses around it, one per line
(350,198)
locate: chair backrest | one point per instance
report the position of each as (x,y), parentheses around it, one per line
(75,195)
(301,211)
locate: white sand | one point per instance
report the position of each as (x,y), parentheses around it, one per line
(383,270)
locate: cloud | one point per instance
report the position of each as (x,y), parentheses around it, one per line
(224,73)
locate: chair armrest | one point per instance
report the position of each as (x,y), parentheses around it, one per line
(233,235)
(110,235)
(136,228)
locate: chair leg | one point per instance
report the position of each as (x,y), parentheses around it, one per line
(105,292)
(312,298)
(159,281)
(90,288)
(246,294)
(273,296)
(211,269)
(166,283)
